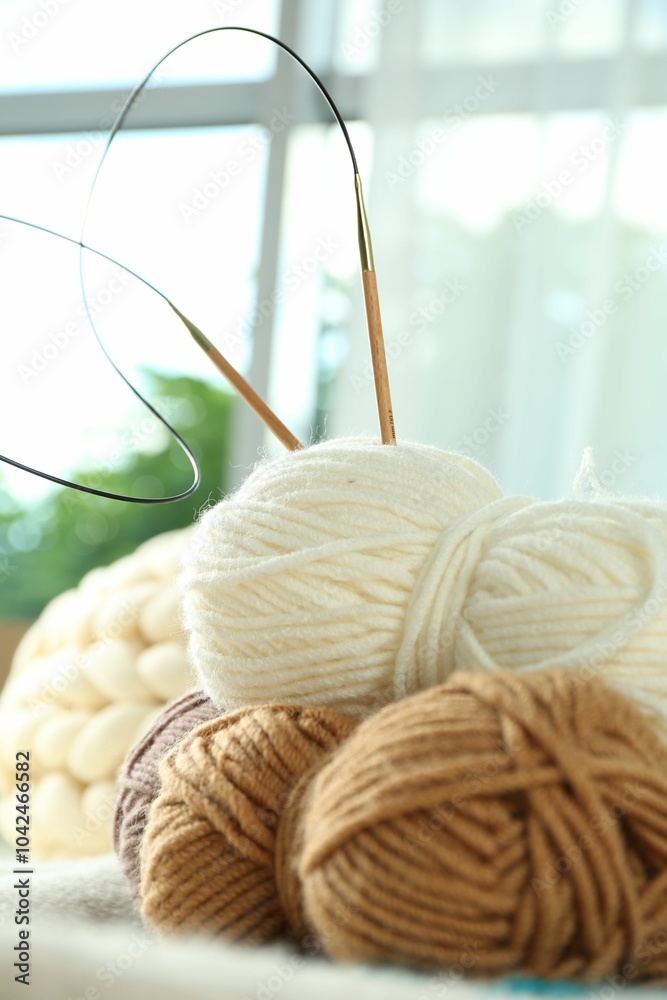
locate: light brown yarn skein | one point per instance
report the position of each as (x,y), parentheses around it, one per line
(521,822)
(208,854)
(499,821)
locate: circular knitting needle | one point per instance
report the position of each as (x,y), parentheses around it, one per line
(374,319)
(369,279)
(244,389)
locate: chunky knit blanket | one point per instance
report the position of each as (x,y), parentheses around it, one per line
(86,941)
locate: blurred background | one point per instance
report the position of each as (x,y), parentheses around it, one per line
(514,155)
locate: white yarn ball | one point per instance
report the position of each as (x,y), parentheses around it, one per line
(579,585)
(352,574)
(298,586)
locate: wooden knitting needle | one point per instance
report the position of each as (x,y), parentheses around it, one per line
(246,391)
(374,320)
(378,356)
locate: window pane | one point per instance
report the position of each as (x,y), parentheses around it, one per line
(652,25)
(490,31)
(319,274)
(584,30)
(46,179)
(169,207)
(358,27)
(56,44)
(480,31)
(529,258)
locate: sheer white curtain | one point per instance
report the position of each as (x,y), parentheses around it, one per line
(514,155)
(519,217)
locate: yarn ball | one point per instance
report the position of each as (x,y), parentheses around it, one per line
(353,574)
(298,587)
(495,823)
(139,781)
(580,585)
(518,821)
(207,857)
(87,680)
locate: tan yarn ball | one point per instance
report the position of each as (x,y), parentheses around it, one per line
(208,854)
(519,822)
(87,680)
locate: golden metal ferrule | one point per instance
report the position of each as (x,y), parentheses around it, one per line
(365,245)
(199,338)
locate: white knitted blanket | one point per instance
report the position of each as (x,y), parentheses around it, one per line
(86,943)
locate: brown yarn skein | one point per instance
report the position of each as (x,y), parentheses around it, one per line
(208,854)
(499,822)
(139,782)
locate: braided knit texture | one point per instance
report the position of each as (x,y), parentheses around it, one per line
(519,821)
(139,782)
(87,680)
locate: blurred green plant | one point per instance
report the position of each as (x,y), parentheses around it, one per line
(48,545)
